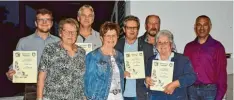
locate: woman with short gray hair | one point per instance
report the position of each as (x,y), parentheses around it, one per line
(170,37)
(62,66)
(183,74)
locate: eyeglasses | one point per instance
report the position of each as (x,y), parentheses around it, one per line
(131,28)
(66,32)
(40,20)
(111,36)
(163,43)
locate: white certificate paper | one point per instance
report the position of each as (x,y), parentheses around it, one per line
(86,46)
(25,65)
(162,74)
(134,64)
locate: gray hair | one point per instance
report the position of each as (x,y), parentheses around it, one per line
(83,7)
(170,37)
(132,18)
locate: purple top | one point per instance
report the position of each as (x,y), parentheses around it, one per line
(209,63)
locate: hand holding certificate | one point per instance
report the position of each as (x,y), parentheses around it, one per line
(161,74)
(87,46)
(25,65)
(134,64)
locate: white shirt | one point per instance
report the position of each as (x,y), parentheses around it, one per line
(115,92)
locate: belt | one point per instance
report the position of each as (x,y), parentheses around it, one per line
(203,85)
(115,91)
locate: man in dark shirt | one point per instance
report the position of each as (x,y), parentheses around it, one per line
(209,62)
(152,26)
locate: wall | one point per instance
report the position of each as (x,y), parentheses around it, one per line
(179,18)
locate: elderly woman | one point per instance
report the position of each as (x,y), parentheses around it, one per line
(104,75)
(62,66)
(183,74)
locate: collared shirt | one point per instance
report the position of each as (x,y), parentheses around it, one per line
(154,46)
(93,38)
(169,59)
(34,42)
(209,63)
(64,73)
(130,85)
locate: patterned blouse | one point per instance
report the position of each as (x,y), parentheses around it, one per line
(64,74)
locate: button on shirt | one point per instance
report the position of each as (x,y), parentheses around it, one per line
(34,42)
(209,62)
(93,38)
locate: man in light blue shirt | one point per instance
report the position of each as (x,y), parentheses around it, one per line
(36,42)
(134,88)
(87,34)
(130,84)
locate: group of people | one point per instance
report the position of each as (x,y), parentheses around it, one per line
(67,73)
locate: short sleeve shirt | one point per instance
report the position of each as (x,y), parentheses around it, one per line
(64,74)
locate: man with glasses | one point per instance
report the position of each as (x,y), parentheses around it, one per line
(85,16)
(134,88)
(36,42)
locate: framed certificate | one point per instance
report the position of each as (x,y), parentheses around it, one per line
(134,64)
(25,65)
(161,74)
(87,46)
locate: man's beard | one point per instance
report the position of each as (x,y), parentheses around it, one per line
(152,32)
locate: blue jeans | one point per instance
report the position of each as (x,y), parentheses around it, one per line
(130,98)
(202,92)
(155,97)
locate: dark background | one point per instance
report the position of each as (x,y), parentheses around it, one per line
(17,21)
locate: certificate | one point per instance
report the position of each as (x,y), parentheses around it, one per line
(25,65)
(161,74)
(86,46)
(134,64)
